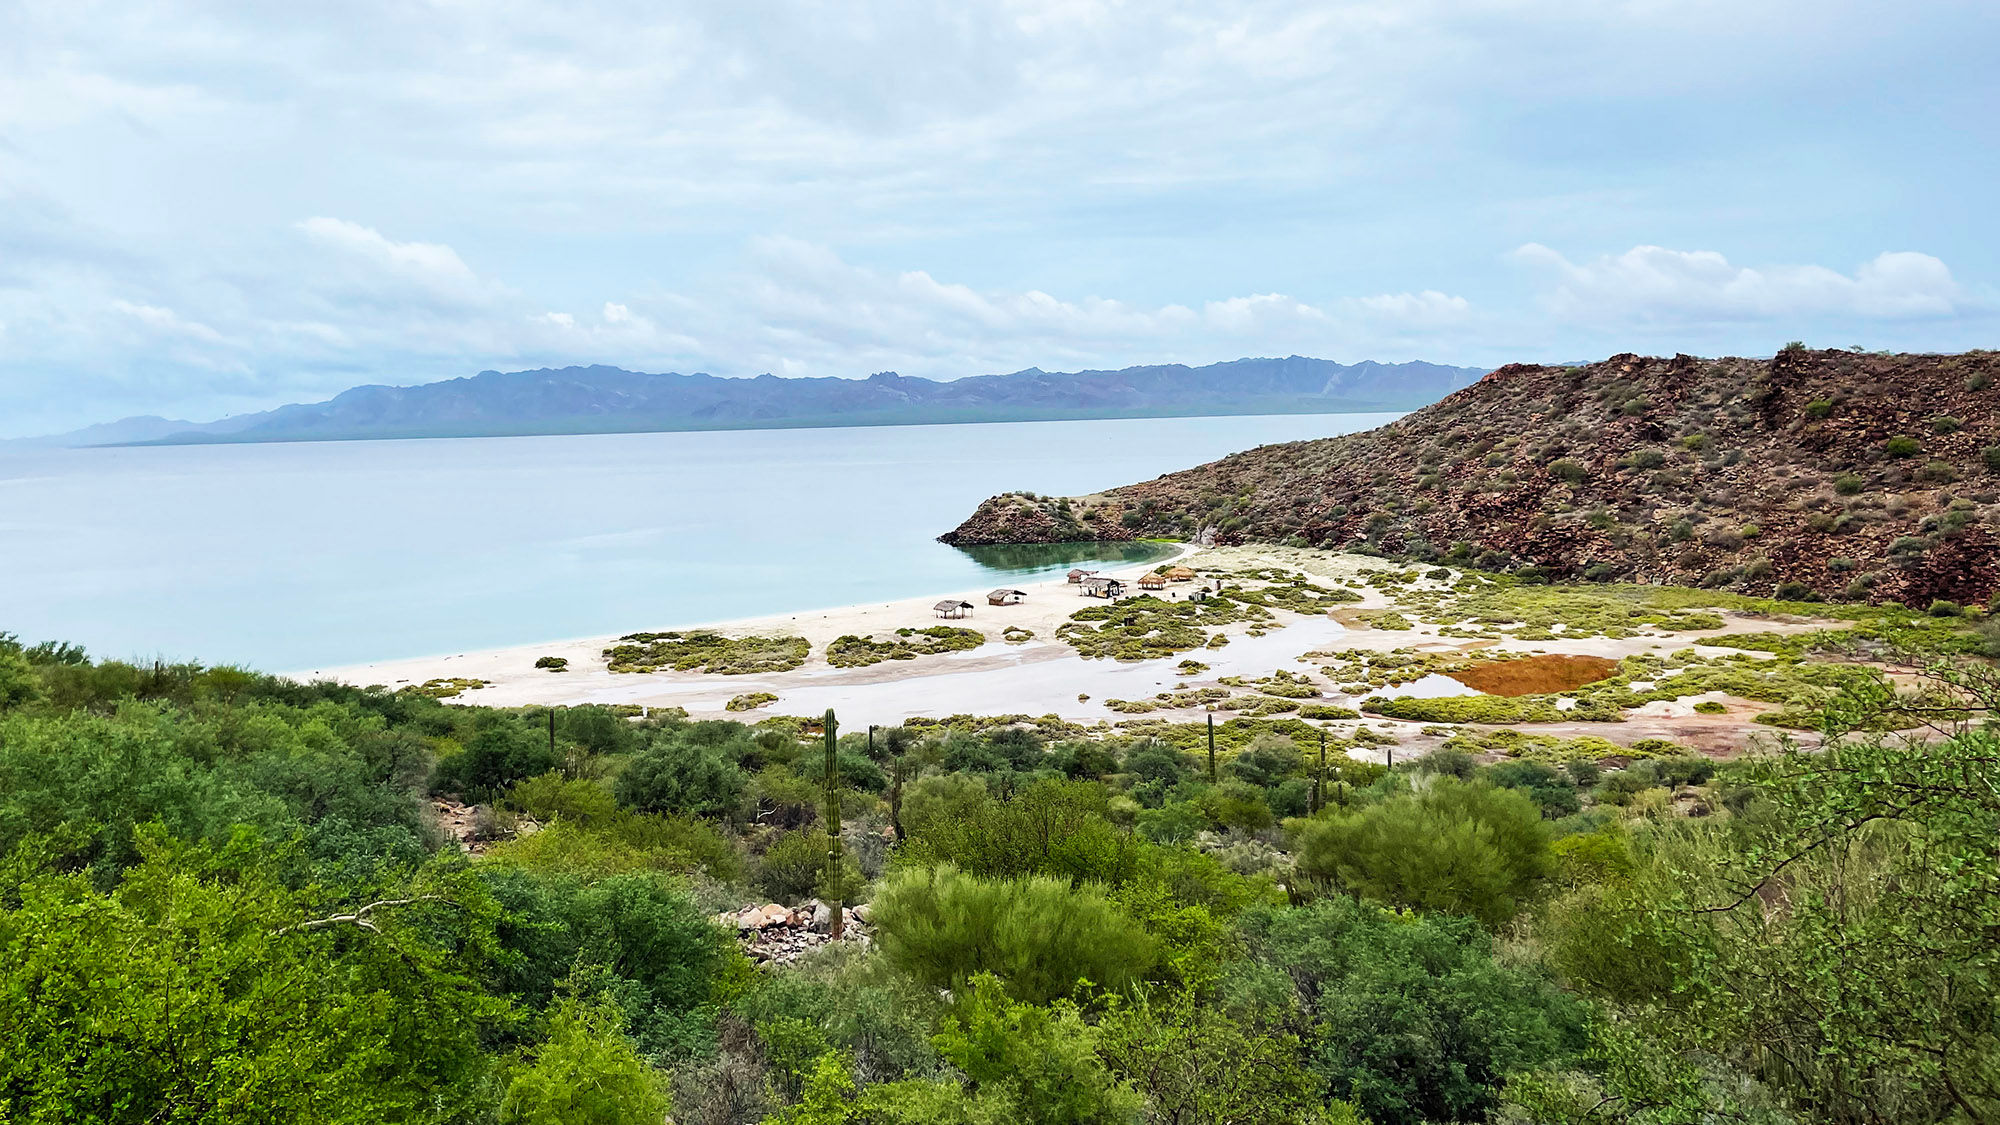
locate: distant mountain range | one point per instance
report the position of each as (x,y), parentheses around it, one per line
(591,400)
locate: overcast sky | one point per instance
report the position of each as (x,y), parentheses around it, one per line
(213,207)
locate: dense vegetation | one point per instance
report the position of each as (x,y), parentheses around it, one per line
(1836,474)
(230,897)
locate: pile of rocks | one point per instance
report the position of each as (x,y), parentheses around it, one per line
(783,933)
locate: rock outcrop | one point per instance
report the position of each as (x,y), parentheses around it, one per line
(1833,473)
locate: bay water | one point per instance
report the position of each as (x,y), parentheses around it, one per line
(303,555)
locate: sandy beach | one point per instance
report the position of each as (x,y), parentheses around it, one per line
(1041,675)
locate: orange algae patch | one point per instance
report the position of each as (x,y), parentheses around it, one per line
(1535,675)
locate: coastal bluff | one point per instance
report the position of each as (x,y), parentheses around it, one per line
(1812,474)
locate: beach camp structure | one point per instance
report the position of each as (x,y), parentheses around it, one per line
(1153,581)
(1007,597)
(952,607)
(1180,574)
(1097,586)
(1076,576)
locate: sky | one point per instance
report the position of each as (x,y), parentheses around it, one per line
(207,208)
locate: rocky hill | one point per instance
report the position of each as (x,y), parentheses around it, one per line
(1832,473)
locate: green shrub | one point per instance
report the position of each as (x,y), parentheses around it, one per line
(1943,608)
(684,776)
(1819,408)
(1451,846)
(553,663)
(1902,446)
(585,1071)
(1410,1018)
(1038,935)
(1946,425)
(708,652)
(794,868)
(1711,707)
(750,701)
(1568,471)
(1848,484)
(851,651)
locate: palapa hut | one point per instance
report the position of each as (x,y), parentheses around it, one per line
(1153,581)
(1180,574)
(1097,586)
(952,607)
(1006,597)
(1076,576)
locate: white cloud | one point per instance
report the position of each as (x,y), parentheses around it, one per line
(1656,283)
(169,323)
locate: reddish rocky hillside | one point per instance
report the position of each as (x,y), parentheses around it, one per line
(1846,474)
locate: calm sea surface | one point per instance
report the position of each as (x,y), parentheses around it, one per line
(296,556)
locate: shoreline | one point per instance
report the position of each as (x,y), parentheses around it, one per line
(1043,675)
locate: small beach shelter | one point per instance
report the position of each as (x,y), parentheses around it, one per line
(953,607)
(1180,574)
(1099,587)
(1006,597)
(1153,581)
(1080,575)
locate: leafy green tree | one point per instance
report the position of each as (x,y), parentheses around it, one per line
(1041,1059)
(1839,948)
(585,1073)
(204,990)
(1039,935)
(1411,1018)
(1192,1061)
(682,775)
(18,683)
(1056,828)
(500,752)
(1450,846)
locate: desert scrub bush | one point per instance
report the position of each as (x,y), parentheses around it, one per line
(1819,408)
(1326,712)
(1231,735)
(1538,747)
(446,688)
(1568,471)
(1190,667)
(1508,608)
(553,663)
(1491,709)
(850,651)
(1040,936)
(710,653)
(1902,445)
(1946,424)
(1017,634)
(1291,592)
(1146,627)
(1290,685)
(1937,472)
(1387,620)
(750,701)
(1451,848)
(1711,707)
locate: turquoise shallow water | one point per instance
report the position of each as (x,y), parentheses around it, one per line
(318,554)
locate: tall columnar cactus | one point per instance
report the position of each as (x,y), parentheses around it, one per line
(833,865)
(1211,749)
(1319,783)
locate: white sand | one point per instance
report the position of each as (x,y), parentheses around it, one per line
(1043,676)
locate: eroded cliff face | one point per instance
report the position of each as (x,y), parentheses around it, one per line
(1868,477)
